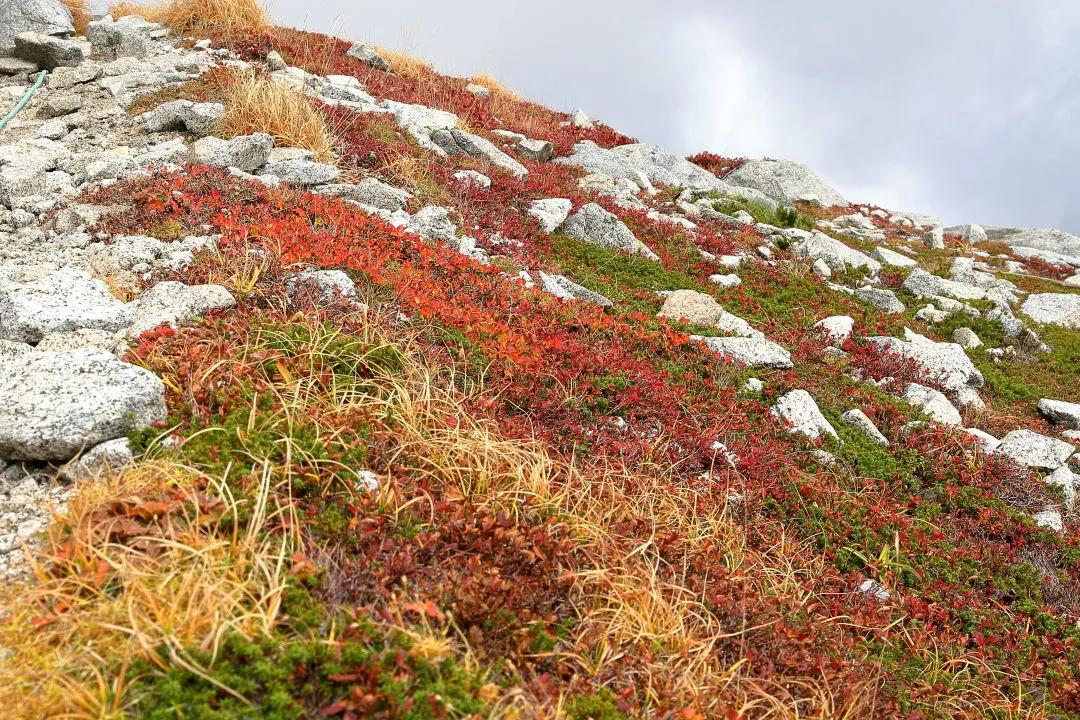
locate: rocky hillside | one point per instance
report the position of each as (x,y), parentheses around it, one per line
(332,386)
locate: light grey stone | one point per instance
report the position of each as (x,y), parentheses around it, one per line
(567,289)
(301,173)
(874,589)
(750,351)
(66,77)
(17,66)
(924,285)
(1064,479)
(60,105)
(754,385)
(726,281)
(1054,309)
(1050,519)
(433,223)
(46,17)
(174,303)
(368,56)
(931,314)
(933,403)
(54,405)
(274,61)
(372,192)
(837,329)
(580,120)
(1054,241)
(1030,449)
(177,115)
(966,338)
(459,142)
(934,238)
(1061,413)
(858,419)
(971,233)
(47,51)
(945,362)
(246,152)
(988,442)
(593,224)
(421,121)
(78,339)
(891,257)
(110,456)
(551,212)
(799,410)
(701,309)
(881,298)
(478,90)
(328,283)
(538,150)
(835,254)
(58,301)
(127,38)
(784,181)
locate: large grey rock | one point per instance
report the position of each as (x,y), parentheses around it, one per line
(750,351)
(78,339)
(799,410)
(701,309)
(595,225)
(371,192)
(1055,241)
(60,301)
(55,405)
(421,121)
(858,420)
(881,298)
(836,329)
(368,56)
(835,254)
(327,284)
(1061,413)
(644,164)
(970,233)
(1030,449)
(433,223)
(128,37)
(459,142)
(924,285)
(173,303)
(47,51)
(891,257)
(301,173)
(178,115)
(784,181)
(246,152)
(945,362)
(551,212)
(1054,309)
(567,289)
(933,403)
(46,17)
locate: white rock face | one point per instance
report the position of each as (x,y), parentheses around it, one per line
(726,281)
(595,225)
(300,172)
(327,284)
(799,410)
(54,405)
(837,329)
(966,338)
(1064,479)
(784,181)
(946,361)
(641,161)
(881,298)
(891,257)
(858,419)
(988,442)
(1054,309)
(567,289)
(933,403)
(551,212)
(924,285)
(61,301)
(173,303)
(1061,413)
(1050,519)
(1030,449)
(835,254)
(371,192)
(750,351)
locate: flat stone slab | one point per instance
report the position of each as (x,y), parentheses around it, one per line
(1030,449)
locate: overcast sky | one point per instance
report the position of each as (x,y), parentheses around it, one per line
(966,109)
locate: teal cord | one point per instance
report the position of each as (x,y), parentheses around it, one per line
(25,99)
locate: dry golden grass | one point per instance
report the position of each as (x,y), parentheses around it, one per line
(258,103)
(80,14)
(496,87)
(402,63)
(185,16)
(178,585)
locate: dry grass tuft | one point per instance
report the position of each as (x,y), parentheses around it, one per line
(257,103)
(185,16)
(496,87)
(404,64)
(80,15)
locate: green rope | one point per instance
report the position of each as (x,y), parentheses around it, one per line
(25,99)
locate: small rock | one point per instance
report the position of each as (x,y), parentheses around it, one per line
(580,120)
(327,283)
(1033,450)
(726,281)
(274,61)
(874,589)
(754,385)
(551,212)
(48,52)
(895,259)
(966,338)
(595,225)
(197,118)
(246,152)
(1050,519)
(471,177)
(750,351)
(368,56)
(173,303)
(882,299)
(838,329)
(1054,309)
(799,410)
(567,289)
(1060,413)
(478,90)
(858,419)
(934,238)
(459,142)
(301,173)
(538,150)
(109,456)
(989,442)
(933,403)
(1064,479)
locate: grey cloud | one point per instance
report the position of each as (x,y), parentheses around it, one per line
(961,108)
